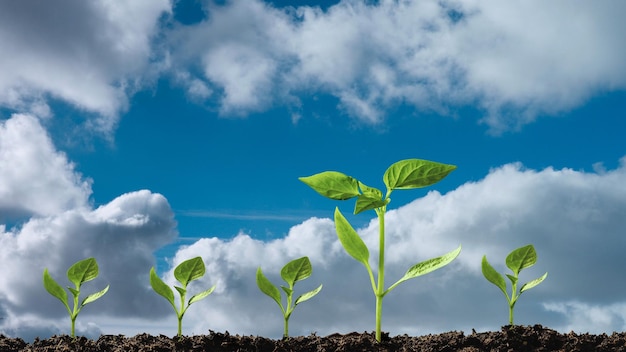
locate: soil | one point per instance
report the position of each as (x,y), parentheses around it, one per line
(510,338)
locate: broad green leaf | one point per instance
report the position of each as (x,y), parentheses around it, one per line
(521,258)
(531,284)
(189,270)
(267,287)
(296,270)
(306,296)
(161,287)
(493,276)
(415,173)
(350,239)
(364,203)
(83,271)
(333,184)
(201,295)
(54,288)
(94,296)
(428,266)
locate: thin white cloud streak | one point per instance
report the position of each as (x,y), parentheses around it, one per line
(89,54)
(512,60)
(236,215)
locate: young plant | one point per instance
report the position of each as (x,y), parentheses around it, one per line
(185,272)
(292,272)
(405,174)
(517,260)
(79,273)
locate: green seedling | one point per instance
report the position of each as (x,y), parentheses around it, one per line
(517,260)
(292,272)
(185,272)
(79,273)
(405,174)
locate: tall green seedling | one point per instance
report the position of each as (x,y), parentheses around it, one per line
(517,260)
(405,174)
(79,273)
(187,271)
(294,271)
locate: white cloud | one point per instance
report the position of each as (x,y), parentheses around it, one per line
(89,54)
(35,179)
(513,60)
(40,186)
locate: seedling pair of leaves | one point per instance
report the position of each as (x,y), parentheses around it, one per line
(79,273)
(518,259)
(185,272)
(404,174)
(294,271)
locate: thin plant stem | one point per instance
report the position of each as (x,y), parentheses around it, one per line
(380,291)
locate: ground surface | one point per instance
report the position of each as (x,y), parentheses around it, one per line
(510,338)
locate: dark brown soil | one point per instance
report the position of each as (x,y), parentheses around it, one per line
(510,338)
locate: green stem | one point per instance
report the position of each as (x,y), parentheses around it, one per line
(286,331)
(73,333)
(380,291)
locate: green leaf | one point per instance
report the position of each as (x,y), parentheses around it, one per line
(296,270)
(161,288)
(181,291)
(370,191)
(306,296)
(83,271)
(350,239)
(267,287)
(493,276)
(189,270)
(512,278)
(54,288)
(94,296)
(531,284)
(364,203)
(333,185)
(74,291)
(287,290)
(521,258)
(415,173)
(201,295)
(428,266)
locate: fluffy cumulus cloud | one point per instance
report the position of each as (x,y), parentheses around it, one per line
(89,54)
(513,60)
(574,219)
(57,227)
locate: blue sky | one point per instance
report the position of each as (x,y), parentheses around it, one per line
(154,131)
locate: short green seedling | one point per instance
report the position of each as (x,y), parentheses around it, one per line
(405,174)
(517,260)
(185,272)
(79,273)
(292,272)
